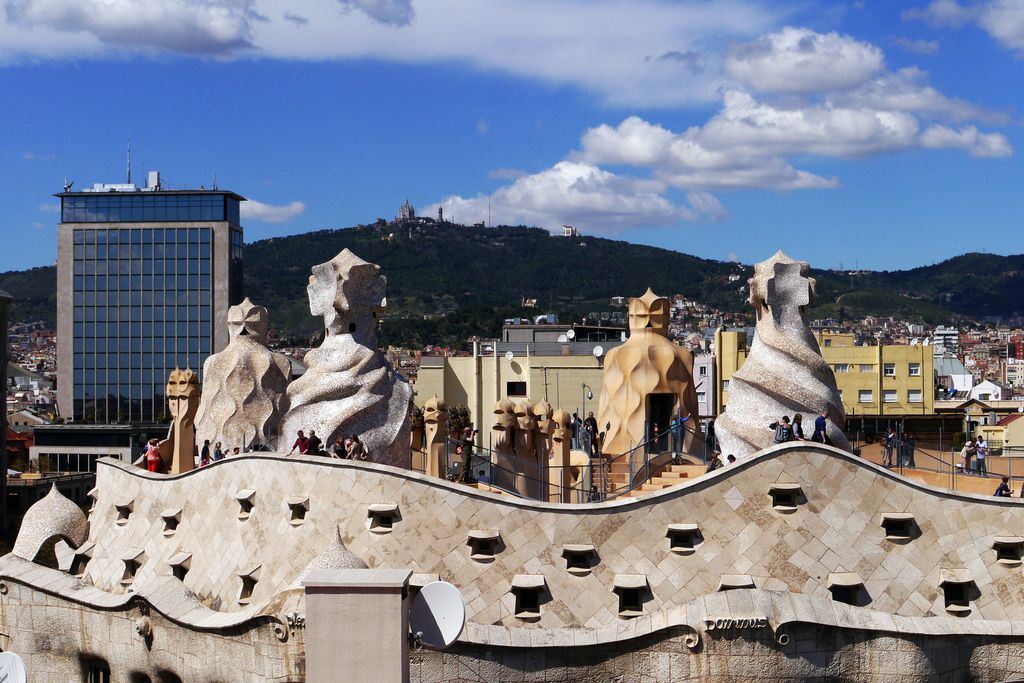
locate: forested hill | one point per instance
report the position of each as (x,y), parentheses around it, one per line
(446,282)
(465,280)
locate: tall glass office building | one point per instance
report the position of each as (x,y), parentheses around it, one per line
(145,278)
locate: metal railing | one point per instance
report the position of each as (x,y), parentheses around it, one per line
(519,476)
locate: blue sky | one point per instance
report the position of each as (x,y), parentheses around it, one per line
(873,134)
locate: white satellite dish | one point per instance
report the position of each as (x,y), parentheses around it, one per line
(571,334)
(12,668)
(562,338)
(438,615)
(598,351)
(509,355)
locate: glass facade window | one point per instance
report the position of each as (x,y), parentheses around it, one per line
(149,207)
(142,306)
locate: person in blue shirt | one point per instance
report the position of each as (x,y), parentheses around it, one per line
(821,429)
(1004,490)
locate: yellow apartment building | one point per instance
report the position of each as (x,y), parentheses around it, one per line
(480,380)
(730,354)
(895,380)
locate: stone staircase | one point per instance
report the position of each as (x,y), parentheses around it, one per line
(669,476)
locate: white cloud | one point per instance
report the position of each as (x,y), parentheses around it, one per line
(605,47)
(747,143)
(271,213)
(49,208)
(483,126)
(583,195)
(917,45)
(907,90)
(209,27)
(390,12)
(968,139)
(1001,19)
(800,60)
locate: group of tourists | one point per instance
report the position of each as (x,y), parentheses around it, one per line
(973,456)
(209,455)
(898,448)
(343,448)
(585,435)
(787,430)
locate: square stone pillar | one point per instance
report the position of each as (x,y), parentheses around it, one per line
(357,625)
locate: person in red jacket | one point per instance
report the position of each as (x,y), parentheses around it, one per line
(302,443)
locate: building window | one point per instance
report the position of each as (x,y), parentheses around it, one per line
(915,370)
(889,369)
(914,396)
(702,370)
(828,342)
(841,367)
(515,388)
(725,385)
(867,367)
(865,396)
(889,396)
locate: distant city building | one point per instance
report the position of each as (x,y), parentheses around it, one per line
(880,380)
(569,231)
(406,212)
(991,391)
(145,277)
(947,340)
(704,383)
(1015,372)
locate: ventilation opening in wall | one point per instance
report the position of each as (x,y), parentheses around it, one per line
(250,577)
(579,558)
(847,587)
(180,563)
(955,595)
(297,509)
(382,517)
(630,602)
(124,507)
(96,671)
(132,564)
(528,590)
(1008,550)
(630,589)
(483,544)
(171,519)
(899,526)
(683,539)
(786,496)
(246,503)
(957,588)
(81,559)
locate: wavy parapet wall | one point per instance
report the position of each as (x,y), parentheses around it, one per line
(797,535)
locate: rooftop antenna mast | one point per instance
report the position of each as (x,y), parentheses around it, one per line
(129,161)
